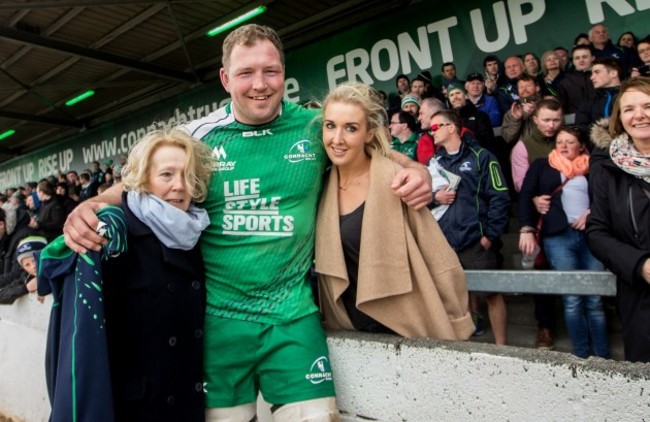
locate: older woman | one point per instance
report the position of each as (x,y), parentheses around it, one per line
(415,287)
(561,179)
(152,295)
(552,74)
(618,229)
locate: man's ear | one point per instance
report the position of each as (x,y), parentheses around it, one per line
(223,75)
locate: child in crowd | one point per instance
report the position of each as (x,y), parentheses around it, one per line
(15,287)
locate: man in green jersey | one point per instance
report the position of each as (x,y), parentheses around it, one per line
(262,330)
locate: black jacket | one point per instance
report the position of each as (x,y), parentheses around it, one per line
(51,217)
(155,304)
(597,106)
(575,88)
(618,232)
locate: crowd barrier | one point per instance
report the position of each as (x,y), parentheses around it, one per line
(388,378)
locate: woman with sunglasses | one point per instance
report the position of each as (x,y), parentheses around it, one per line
(383,267)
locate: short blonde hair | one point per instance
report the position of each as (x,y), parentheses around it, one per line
(368,99)
(199,163)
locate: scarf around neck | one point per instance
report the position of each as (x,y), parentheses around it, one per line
(569,168)
(629,159)
(175,228)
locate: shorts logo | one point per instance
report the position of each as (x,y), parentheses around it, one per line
(222,164)
(319,371)
(300,151)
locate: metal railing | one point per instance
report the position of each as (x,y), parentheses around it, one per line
(601,283)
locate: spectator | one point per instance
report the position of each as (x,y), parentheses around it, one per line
(11,288)
(426,147)
(531,64)
(404,131)
(475,87)
(478,209)
(552,75)
(581,39)
(411,104)
(605,77)
(448,70)
(603,47)
(475,120)
(403,85)
(560,180)
(507,91)
(547,118)
(618,228)
(96,175)
(68,203)
(108,176)
(430,91)
(493,75)
(52,213)
(88,188)
(15,231)
(576,87)
(563,54)
(352,221)
(418,87)
(627,40)
(643,49)
(517,122)
(30,190)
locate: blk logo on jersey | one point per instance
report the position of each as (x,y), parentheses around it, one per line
(300,151)
(222,164)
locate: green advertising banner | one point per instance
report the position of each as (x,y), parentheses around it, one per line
(420,37)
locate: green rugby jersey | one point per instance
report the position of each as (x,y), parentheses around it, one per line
(262,206)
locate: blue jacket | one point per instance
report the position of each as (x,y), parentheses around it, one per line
(489,105)
(482,199)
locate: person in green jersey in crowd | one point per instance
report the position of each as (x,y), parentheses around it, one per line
(262,329)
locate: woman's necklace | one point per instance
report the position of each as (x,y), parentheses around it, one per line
(345,186)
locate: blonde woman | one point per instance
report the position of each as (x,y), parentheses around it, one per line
(152,294)
(383,267)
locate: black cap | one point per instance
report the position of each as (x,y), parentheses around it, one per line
(475,77)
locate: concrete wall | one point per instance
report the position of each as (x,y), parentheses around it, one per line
(386,378)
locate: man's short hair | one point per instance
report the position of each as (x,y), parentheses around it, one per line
(445,64)
(248,35)
(409,119)
(490,58)
(548,103)
(610,63)
(46,187)
(528,78)
(451,116)
(582,47)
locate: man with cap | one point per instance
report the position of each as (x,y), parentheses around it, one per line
(473,119)
(411,104)
(475,86)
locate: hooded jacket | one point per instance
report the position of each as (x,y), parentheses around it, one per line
(409,279)
(618,233)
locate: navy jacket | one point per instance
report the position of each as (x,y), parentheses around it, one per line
(542,179)
(482,199)
(77,363)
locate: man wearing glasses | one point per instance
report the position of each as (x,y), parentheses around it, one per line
(478,208)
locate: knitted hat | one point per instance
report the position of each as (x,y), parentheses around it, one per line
(28,246)
(454,87)
(410,99)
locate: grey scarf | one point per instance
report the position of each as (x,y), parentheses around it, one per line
(175,228)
